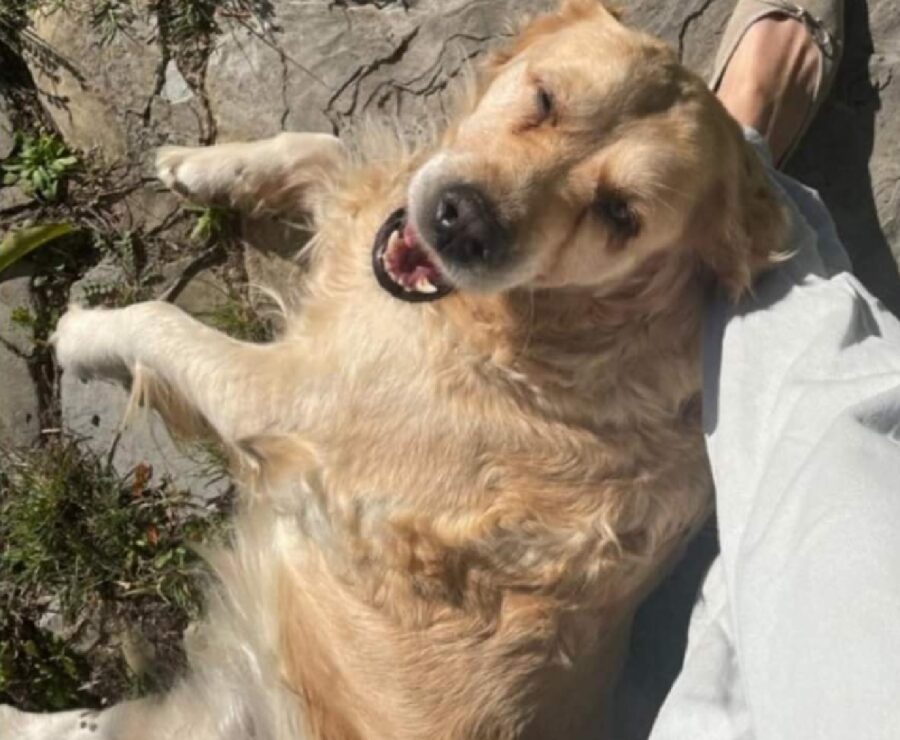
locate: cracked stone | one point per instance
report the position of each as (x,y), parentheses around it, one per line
(19,403)
(176,89)
(270,254)
(84,115)
(94,412)
(101,275)
(7,142)
(12,197)
(119,98)
(345,63)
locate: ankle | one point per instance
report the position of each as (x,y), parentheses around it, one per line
(750,104)
(771,80)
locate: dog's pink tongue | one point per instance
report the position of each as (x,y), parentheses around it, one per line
(411,236)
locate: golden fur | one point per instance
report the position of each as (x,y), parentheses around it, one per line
(454,508)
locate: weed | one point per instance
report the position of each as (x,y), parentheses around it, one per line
(211,223)
(23,317)
(187,21)
(40,165)
(109,17)
(134,282)
(237,318)
(100,551)
(20,242)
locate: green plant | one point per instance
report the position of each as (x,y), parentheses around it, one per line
(191,21)
(23,317)
(97,549)
(133,280)
(109,17)
(238,319)
(17,244)
(53,669)
(40,164)
(211,223)
(187,20)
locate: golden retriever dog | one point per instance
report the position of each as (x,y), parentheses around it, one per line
(477,444)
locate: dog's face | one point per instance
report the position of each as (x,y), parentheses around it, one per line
(588,150)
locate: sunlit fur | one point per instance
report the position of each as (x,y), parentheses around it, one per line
(452,509)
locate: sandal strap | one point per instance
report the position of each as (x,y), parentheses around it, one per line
(825,40)
(825,25)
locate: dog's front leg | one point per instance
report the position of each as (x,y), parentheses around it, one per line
(236,387)
(285,175)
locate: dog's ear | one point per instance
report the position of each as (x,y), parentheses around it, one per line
(569,11)
(742,227)
(582,8)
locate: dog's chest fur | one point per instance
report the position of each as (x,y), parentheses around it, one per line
(492,476)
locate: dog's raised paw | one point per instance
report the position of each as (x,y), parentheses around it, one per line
(81,341)
(203,175)
(168,161)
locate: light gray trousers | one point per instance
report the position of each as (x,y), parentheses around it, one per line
(797,632)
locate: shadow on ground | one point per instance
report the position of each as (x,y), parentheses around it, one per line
(835,160)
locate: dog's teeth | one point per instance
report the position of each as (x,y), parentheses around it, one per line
(393,241)
(425,286)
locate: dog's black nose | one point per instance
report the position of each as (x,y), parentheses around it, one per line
(467,229)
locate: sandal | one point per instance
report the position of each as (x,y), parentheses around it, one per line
(824,19)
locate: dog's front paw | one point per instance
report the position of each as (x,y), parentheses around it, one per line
(168,160)
(68,341)
(85,343)
(200,174)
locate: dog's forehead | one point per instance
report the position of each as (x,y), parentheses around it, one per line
(589,58)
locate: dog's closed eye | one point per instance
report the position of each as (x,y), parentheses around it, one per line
(617,213)
(545,104)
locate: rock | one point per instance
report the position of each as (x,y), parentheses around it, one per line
(119,96)
(84,116)
(329,66)
(100,281)
(270,254)
(12,196)
(175,87)
(19,402)
(7,142)
(150,210)
(95,411)
(204,295)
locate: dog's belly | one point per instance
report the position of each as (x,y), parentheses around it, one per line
(473,537)
(456,540)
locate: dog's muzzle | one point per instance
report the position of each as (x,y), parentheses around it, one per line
(466,231)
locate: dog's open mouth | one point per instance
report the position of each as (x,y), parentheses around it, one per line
(402,266)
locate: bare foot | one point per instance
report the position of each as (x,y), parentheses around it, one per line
(771,80)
